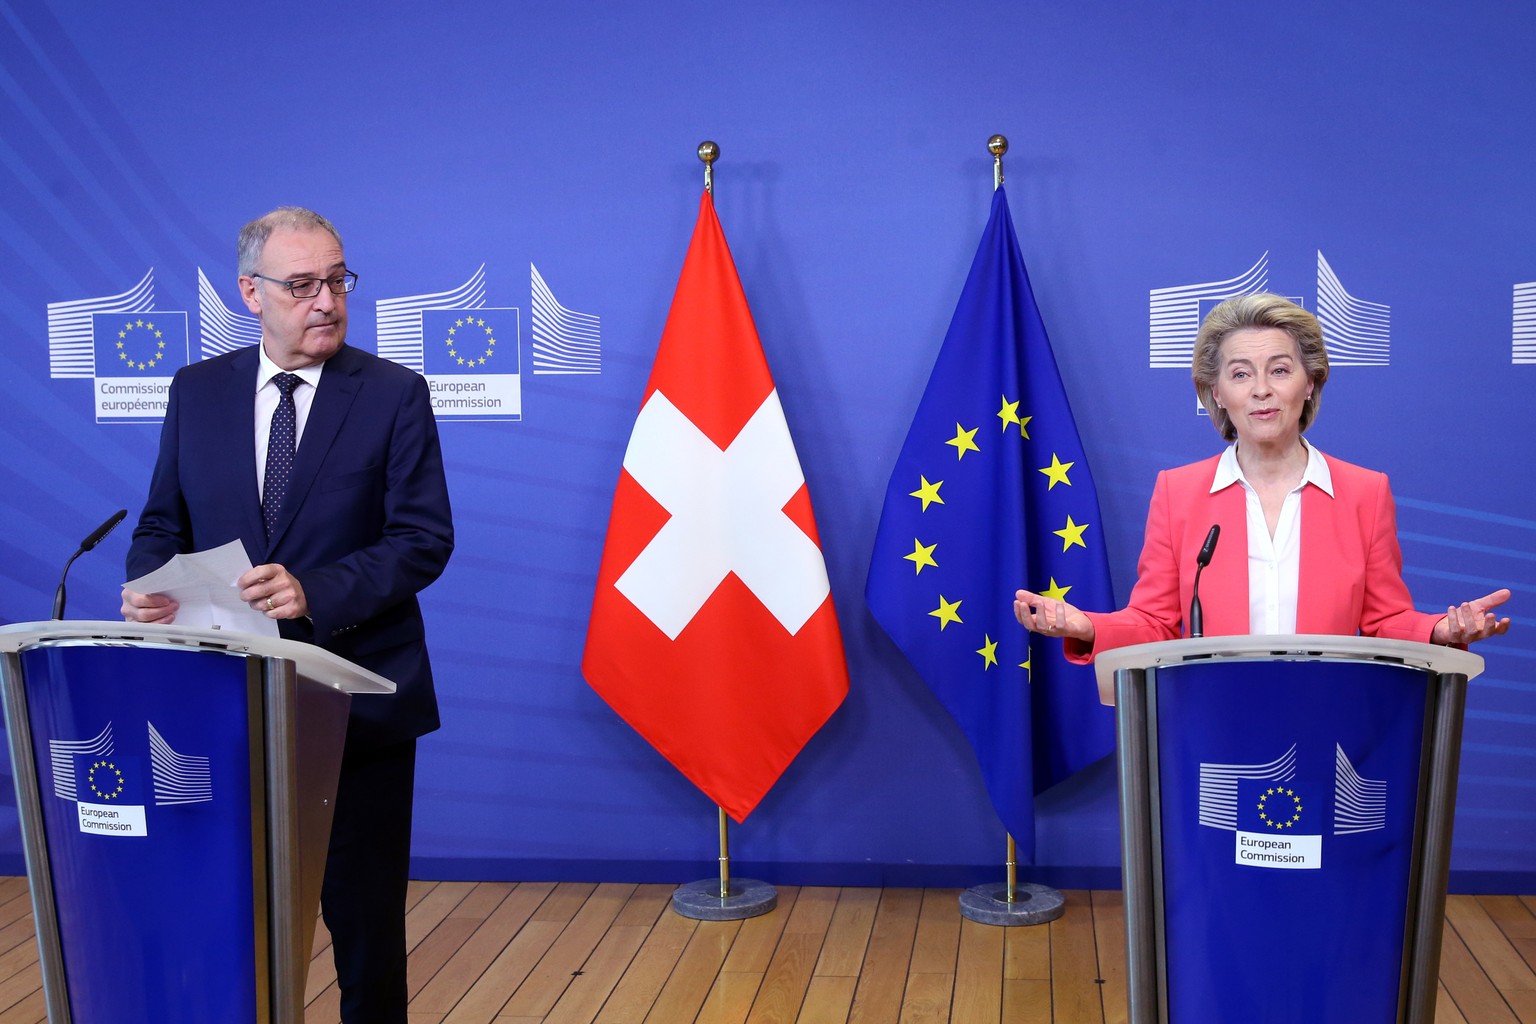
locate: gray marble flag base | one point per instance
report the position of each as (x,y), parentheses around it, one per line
(1032,904)
(701,900)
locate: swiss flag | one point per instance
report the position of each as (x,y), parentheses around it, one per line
(712,630)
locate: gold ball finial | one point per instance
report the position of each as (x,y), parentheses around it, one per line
(997,145)
(709,152)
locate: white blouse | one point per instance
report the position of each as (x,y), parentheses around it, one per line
(1274,563)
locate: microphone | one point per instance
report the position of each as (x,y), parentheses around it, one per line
(97,536)
(1203,559)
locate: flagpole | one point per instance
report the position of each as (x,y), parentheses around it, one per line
(724,898)
(725,858)
(709,900)
(1012,866)
(1012,902)
(1009,903)
(709,152)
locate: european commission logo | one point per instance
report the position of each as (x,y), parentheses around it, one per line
(451,339)
(471,372)
(127,348)
(469,351)
(1277,819)
(220,329)
(111,789)
(1523,341)
(1357,332)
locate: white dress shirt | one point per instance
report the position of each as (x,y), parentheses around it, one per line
(267,396)
(1274,563)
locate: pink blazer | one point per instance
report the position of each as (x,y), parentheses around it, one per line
(1351,566)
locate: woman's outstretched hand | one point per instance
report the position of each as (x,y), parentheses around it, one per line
(1472,620)
(1050,617)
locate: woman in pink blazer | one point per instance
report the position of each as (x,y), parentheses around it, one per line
(1308,543)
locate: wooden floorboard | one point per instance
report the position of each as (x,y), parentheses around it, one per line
(882,981)
(578,953)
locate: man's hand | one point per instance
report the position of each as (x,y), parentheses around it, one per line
(139,607)
(273,591)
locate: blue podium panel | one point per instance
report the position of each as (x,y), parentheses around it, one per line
(1289,797)
(145,762)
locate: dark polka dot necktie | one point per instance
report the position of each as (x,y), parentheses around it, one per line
(280,449)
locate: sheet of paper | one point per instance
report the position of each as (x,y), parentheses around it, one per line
(203,583)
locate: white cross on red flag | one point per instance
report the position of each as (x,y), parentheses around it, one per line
(713,632)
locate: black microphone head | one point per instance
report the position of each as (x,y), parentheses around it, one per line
(99,534)
(1209,547)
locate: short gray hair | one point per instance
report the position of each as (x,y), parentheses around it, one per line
(253,237)
(1256,312)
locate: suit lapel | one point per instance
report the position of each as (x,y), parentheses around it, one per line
(1224,586)
(1322,560)
(236,418)
(333,399)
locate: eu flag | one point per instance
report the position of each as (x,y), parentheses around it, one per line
(469,341)
(110,779)
(142,344)
(991,493)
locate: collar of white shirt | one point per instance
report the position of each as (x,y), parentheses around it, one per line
(1228,472)
(268,369)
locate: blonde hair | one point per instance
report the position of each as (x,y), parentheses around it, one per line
(1249,312)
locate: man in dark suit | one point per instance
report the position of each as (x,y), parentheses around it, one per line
(324,461)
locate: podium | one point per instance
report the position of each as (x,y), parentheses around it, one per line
(175,791)
(1286,807)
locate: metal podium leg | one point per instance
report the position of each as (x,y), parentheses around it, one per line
(1136,837)
(287,974)
(1435,867)
(34,842)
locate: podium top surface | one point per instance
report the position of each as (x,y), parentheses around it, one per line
(1283,647)
(312,662)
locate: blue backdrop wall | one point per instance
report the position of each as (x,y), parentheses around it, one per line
(1370,159)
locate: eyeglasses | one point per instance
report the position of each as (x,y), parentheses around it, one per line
(309,287)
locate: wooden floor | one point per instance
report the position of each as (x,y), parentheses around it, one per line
(541,953)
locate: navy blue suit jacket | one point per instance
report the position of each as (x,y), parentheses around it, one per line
(365,527)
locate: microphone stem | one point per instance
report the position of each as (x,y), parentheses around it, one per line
(58,595)
(1196,614)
